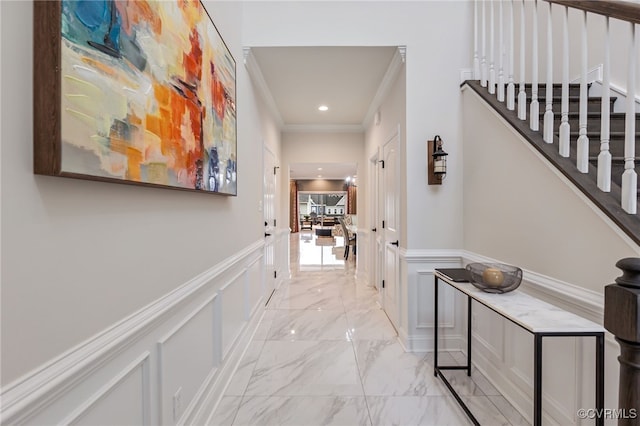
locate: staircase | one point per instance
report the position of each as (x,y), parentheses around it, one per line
(608,202)
(594,108)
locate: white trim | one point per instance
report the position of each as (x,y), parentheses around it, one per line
(594,74)
(615,228)
(261,85)
(466,74)
(587,302)
(168,336)
(27,395)
(141,361)
(388,79)
(430,255)
(213,389)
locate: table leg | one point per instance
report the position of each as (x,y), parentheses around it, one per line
(469,300)
(435,328)
(600,377)
(537,381)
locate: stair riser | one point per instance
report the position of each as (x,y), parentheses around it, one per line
(574,90)
(593,124)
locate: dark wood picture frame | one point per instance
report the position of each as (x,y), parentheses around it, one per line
(48,108)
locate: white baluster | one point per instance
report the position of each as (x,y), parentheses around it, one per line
(511,87)
(483,64)
(492,45)
(604,158)
(582,161)
(534,108)
(548,111)
(500,90)
(629,177)
(476,59)
(564,108)
(522,96)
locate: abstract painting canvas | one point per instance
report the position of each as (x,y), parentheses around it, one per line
(134,91)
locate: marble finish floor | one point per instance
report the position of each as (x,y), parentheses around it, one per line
(326,354)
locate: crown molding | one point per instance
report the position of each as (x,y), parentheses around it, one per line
(322,128)
(255,73)
(385,85)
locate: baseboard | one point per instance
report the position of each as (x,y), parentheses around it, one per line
(60,387)
(420,344)
(213,390)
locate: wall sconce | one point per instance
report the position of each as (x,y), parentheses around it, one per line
(436,161)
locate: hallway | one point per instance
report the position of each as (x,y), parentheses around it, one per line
(325,353)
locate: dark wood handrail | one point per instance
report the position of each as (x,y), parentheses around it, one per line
(623,10)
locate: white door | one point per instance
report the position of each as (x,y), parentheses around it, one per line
(390,193)
(376,228)
(269,215)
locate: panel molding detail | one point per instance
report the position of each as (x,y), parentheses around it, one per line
(142,362)
(58,389)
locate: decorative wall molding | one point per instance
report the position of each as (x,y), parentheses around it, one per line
(580,300)
(388,79)
(261,85)
(32,394)
(213,388)
(430,255)
(142,362)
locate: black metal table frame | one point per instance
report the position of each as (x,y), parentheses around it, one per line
(537,365)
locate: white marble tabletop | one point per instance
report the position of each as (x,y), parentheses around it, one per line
(531,313)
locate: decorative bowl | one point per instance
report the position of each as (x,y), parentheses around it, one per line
(494,277)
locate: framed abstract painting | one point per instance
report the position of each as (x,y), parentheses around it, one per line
(134,91)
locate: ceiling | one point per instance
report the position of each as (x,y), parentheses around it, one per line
(329,170)
(295,81)
(346,79)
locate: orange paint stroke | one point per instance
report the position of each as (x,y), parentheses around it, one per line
(134,159)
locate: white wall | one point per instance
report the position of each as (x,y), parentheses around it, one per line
(122,304)
(436,50)
(519,210)
(79,256)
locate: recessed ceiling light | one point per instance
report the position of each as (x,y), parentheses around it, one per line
(319,168)
(323,108)
(319,175)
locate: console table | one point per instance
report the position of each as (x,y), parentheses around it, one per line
(533,315)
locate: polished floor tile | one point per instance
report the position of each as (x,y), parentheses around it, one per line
(325,353)
(294,324)
(386,369)
(415,410)
(305,368)
(297,411)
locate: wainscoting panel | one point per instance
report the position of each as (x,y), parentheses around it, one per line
(162,365)
(233,312)
(124,400)
(416,313)
(189,344)
(254,288)
(489,331)
(502,351)
(424,302)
